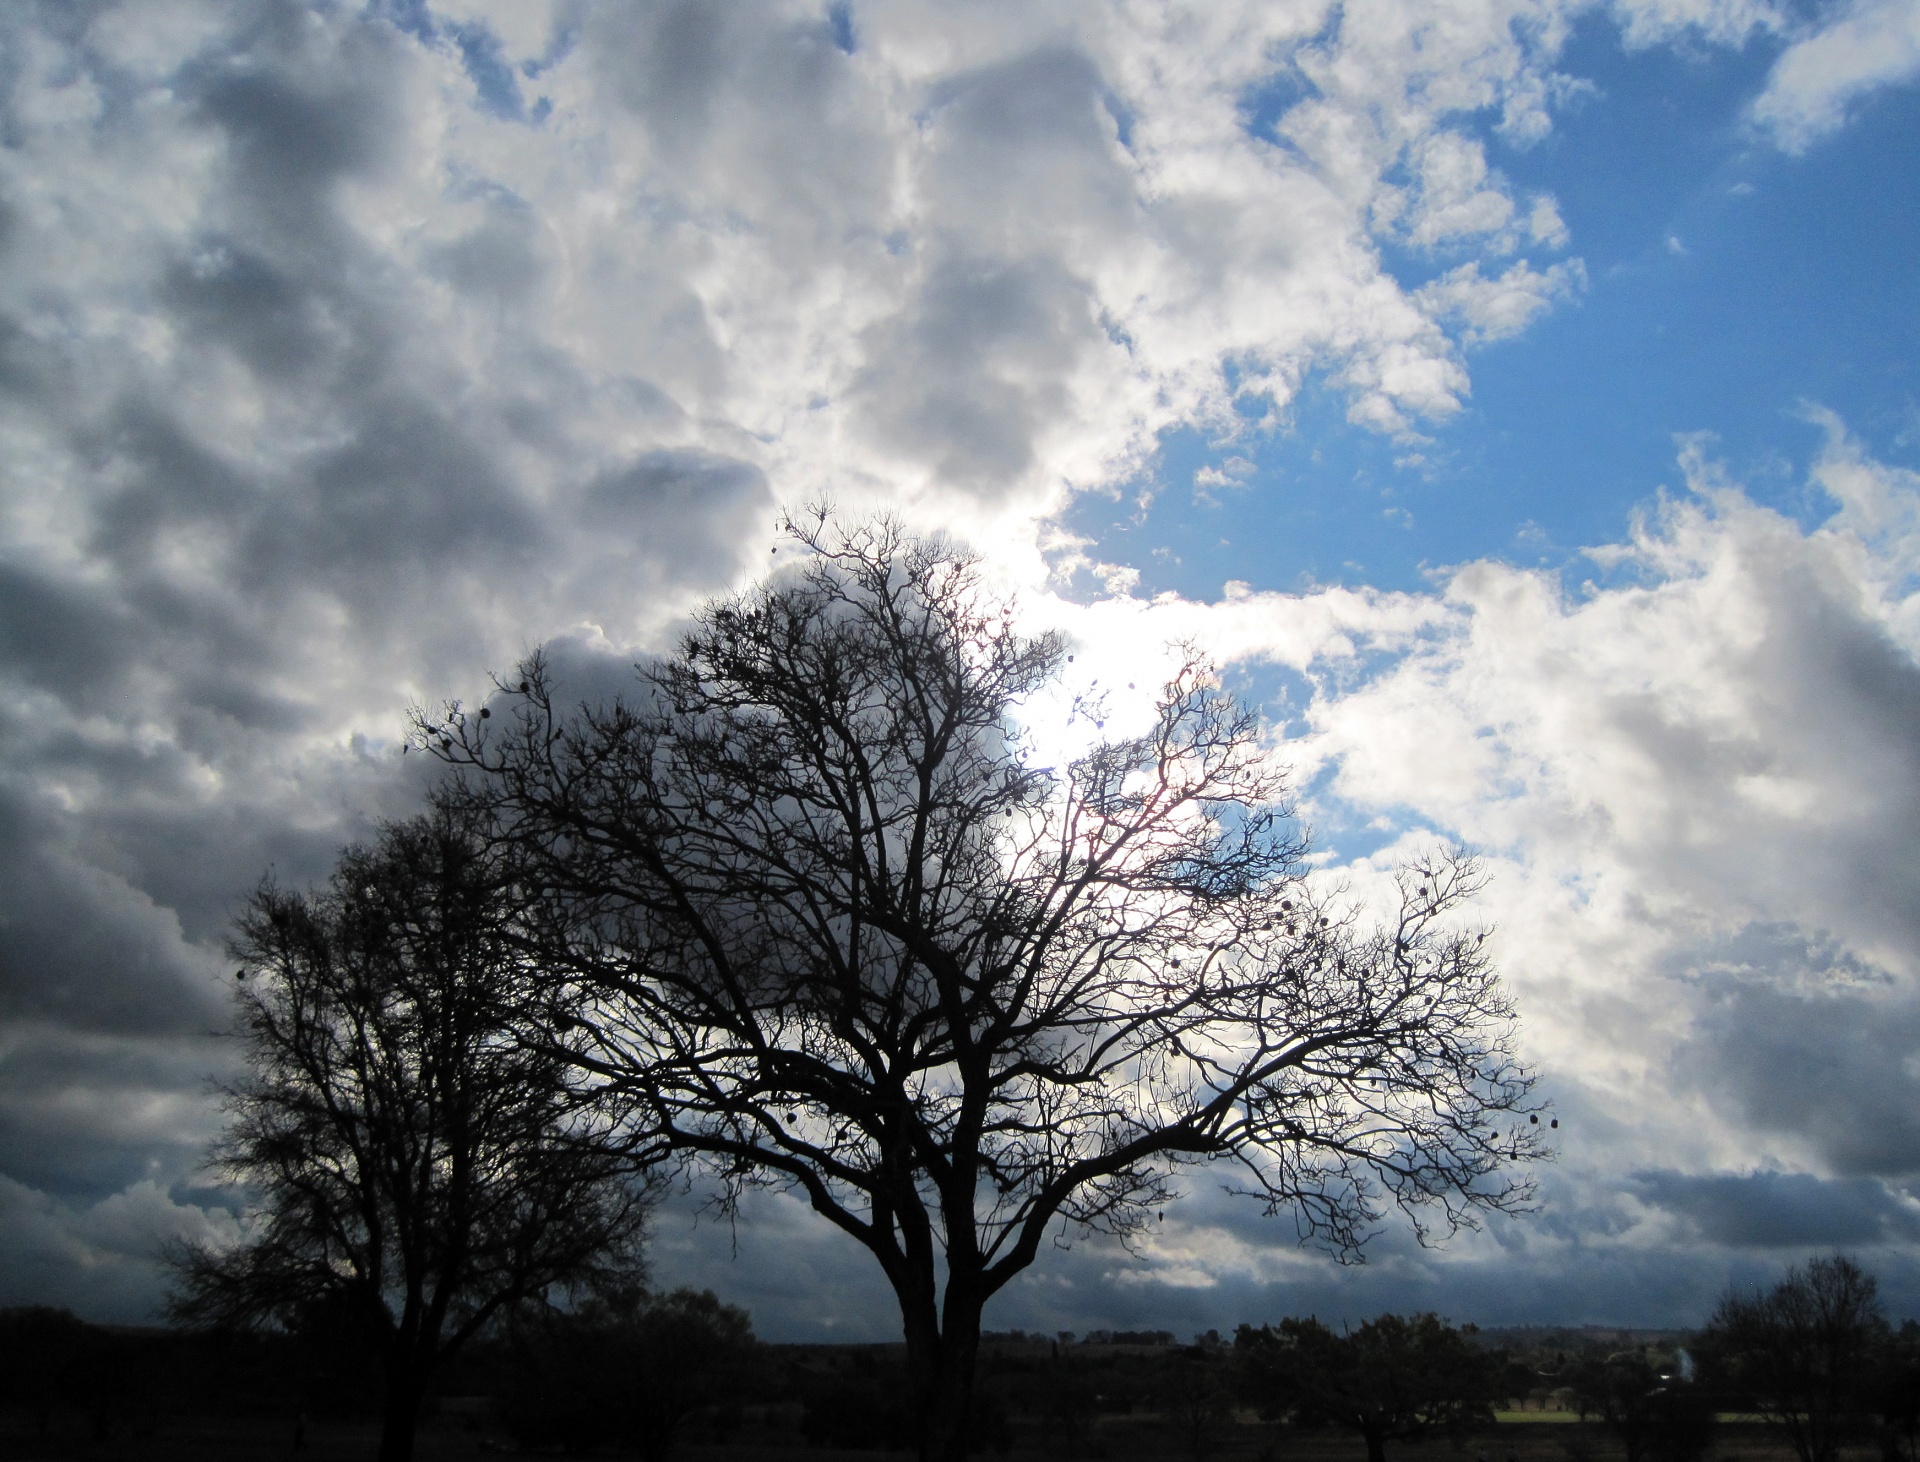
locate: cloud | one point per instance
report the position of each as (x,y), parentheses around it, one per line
(1502,307)
(1784,1210)
(1726,22)
(1855,50)
(97,1258)
(83,1116)
(1740,676)
(1458,197)
(1691,774)
(1826,1072)
(347,353)
(1693,781)
(968,379)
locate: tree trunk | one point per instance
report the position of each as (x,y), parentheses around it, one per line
(940,1360)
(1376,1444)
(401,1415)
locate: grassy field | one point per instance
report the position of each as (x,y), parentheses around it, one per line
(1520,1437)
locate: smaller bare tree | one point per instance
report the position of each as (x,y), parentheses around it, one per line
(1803,1353)
(414,1162)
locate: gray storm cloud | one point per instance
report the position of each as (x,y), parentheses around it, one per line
(346,353)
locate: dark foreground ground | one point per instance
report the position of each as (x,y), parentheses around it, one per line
(1137,1438)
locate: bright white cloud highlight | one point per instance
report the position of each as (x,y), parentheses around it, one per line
(1858,48)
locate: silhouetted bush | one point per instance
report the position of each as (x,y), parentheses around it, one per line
(1196,1396)
(1656,1415)
(1392,1378)
(870,1411)
(1895,1391)
(861,1413)
(630,1368)
(42,1352)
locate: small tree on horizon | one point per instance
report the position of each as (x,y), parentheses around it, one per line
(1196,1394)
(828,927)
(416,1166)
(1656,1415)
(1803,1354)
(628,1366)
(1394,1378)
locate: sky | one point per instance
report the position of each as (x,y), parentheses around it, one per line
(1517,398)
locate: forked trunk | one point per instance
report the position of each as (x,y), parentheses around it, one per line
(940,1363)
(1376,1444)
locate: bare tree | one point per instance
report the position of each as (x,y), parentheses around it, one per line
(414,1161)
(1804,1353)
(833,929)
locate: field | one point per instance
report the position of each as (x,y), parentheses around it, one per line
(1136,1438)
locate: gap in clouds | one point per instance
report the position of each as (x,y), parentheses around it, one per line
(1309,498)
(1718,296)
(1727,286)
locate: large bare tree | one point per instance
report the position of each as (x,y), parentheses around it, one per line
(415,1163)
(829,926)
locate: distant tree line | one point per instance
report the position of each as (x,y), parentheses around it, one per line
(1814,1357)
(636,1372)
(58,1373)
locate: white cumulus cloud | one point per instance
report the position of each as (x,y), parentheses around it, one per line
(348,352)
(1858,48)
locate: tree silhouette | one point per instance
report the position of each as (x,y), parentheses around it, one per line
(1395,1378)
(628,1366)
(1803,1354)
(1896,1392)
(417,1166)
(43,1356)
(831,927)
(1654,1413)
(1197,1399)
